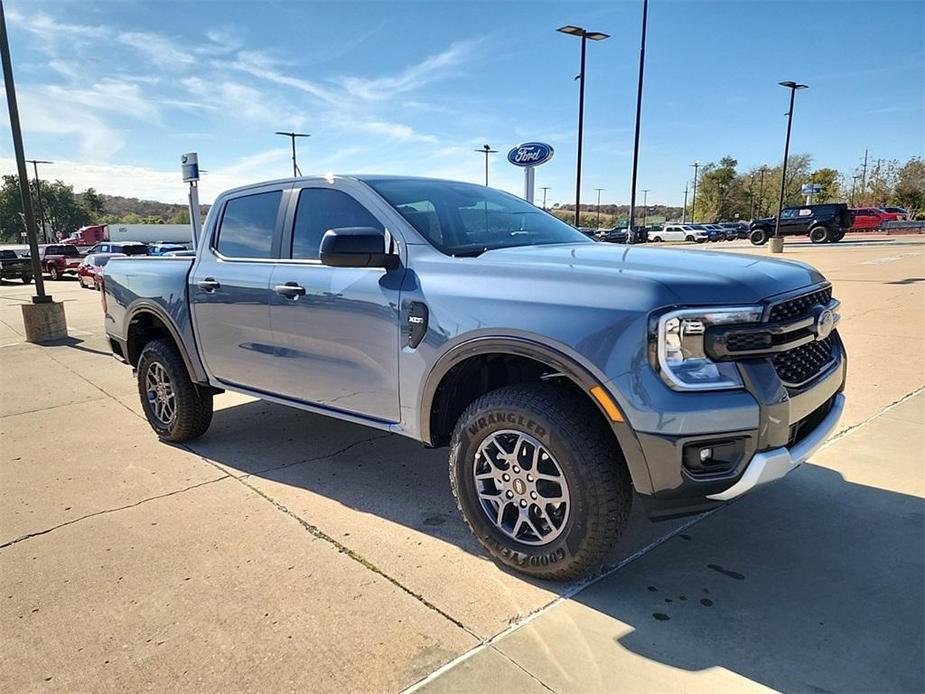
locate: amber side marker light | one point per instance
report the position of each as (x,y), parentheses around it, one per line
(609,406)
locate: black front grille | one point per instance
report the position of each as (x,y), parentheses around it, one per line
(798,307)
(743,342)
(800,364)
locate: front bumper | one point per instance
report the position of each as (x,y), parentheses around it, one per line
(791,424)
(769,466)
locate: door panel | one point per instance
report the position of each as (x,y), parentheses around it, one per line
(335,329)
(230,293)
(337,345)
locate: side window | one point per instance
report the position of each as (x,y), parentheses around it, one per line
(247,226)
(320,209)
(788,214)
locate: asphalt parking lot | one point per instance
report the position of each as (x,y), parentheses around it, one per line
(286,551)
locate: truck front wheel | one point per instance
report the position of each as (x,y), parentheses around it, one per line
(758,237)
(176,408)
(819,234)
(540,480)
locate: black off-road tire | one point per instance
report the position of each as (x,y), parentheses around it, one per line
(574,432)
(193,404)
(837,236)
(26,279)
(819,234)
(758,237)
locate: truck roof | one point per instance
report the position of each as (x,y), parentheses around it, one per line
(331,177)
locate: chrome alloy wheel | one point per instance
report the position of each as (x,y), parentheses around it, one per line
(521,487)
(160,394)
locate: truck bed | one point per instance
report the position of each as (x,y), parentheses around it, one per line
(157,283)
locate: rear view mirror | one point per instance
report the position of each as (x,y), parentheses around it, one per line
(356,247)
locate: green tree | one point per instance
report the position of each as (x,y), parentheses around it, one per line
(881,182)
(830,182)
(910,186)
(721,193)
(180,217)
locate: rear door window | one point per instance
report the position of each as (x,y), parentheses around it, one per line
(248,225)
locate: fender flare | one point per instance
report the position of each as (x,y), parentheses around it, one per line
(555,359)
(194,368)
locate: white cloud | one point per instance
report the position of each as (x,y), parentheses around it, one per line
(94,136)
(263,67)
(393,131)
(432,68)
(159,49)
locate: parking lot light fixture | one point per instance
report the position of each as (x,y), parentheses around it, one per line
(544,189)
(777,245)
(642,65)
(292,136)
(486,150)
(599,206)
(584,35)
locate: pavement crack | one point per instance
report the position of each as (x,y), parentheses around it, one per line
(522,669)
(317,532)
(106,511)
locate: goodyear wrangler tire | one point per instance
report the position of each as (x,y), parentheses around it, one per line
(175,407)
(540,480)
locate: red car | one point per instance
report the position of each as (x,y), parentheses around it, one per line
(90,272)
(870,218)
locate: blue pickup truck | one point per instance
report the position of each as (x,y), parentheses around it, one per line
(568,378)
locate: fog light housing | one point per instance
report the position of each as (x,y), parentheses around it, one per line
(709,458)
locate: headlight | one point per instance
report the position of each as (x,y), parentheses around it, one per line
(679,354)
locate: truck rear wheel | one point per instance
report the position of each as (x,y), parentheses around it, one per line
(819,234)
(539,480)
(26,279)
(175,407)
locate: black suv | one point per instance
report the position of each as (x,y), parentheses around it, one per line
(822,223)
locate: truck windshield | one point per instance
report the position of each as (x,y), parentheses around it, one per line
(463,219)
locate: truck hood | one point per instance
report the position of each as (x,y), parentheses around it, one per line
(689,276)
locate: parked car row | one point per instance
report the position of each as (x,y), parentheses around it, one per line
(61,259)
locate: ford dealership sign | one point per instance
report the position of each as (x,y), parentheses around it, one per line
(530,154)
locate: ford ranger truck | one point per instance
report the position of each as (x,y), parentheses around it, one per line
(568,378)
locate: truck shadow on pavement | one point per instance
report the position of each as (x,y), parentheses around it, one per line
(812,584)
(371,471)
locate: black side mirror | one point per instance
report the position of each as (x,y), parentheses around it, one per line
(356,247)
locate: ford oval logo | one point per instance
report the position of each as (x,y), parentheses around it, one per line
(530,154)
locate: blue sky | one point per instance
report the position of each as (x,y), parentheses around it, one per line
(114,92)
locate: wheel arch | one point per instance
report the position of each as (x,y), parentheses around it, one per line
(439,410)
(148,321)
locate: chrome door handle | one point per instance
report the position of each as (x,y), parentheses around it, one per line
(291,290)
(209,284)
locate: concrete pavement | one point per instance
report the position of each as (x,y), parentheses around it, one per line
(281,524)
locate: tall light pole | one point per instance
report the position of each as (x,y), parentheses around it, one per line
(38,193)
(761,191)
(684,209)
(292,136)
(696,166)
(599,206)
(486,150)
(18,150)
(584,35)
(645,207)
(642,65)
(777,245)
(544,189)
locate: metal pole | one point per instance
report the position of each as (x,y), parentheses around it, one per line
(598,206)
(544,189)
(581,118)
(864,178)
(295,166)
(761,194)
(696,166)
(783,172)
(645,207)
(486,168)
(642,64)
(684,209)
(40,296)
(38,194)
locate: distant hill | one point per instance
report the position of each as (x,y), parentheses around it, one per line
(121,209)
